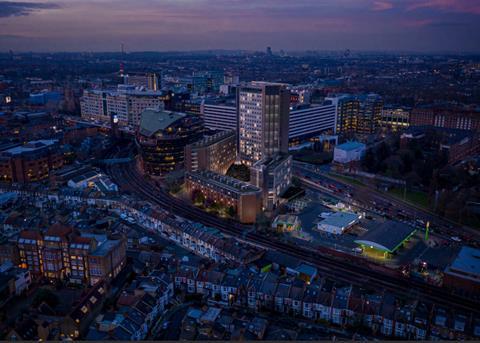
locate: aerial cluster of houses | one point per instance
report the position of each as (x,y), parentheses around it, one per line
(325,300)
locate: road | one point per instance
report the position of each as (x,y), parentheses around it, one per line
(128,178)
(392,206)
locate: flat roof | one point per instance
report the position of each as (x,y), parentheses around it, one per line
(31,146)
(155,120)
(105,247)
(388,236)
(215,138)
(348,146)
(223,181)
(341,219)
(466,264)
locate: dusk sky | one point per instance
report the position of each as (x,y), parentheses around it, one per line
(160,25)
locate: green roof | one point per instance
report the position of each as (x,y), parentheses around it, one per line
(153,121)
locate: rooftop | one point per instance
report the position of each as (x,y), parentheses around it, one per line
(467,264)
(156,120)
(387,237)
(349,146)
(106,247)
(341,219)
(30,146)
(223,181)
(215,138)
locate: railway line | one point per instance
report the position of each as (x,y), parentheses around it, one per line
(128,178)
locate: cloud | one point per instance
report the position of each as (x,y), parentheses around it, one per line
(460,6)
(16,8)
(382,5)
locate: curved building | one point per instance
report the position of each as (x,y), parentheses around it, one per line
(162,137)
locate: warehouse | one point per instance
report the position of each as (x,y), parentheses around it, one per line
(385,239)
(336,223)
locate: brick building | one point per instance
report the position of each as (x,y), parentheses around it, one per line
(30,162)
(446,117)
(226,191)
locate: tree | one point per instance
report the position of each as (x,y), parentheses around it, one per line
(369,161)
(45,295)
(198,197)
(231,211)
(262,222)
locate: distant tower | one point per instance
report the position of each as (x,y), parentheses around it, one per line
(122,48)
(269,51)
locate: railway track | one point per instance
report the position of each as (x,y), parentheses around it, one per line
(129,178)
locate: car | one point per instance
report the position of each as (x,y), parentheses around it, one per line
(456,239)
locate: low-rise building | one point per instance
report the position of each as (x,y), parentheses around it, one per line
(464,272)
(243,197)
(338,222)
(349,152)
(286,223)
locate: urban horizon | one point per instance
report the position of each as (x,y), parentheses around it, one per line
(314,178)
(407,25)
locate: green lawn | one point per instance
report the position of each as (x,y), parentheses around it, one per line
(413,197)
(347,179)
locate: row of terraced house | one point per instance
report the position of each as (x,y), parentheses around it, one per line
(328,301)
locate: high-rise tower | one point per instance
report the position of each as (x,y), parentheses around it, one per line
(263,114)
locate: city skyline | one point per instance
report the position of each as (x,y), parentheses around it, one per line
(165,25)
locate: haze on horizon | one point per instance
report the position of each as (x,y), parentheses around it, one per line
(165,25)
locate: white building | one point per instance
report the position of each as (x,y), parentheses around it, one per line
(338,222)
(94,180)
(126,102)
(349,152)
(305,121)
(219,116)
(309,121)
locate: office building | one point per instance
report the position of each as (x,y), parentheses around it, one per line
(162,138)
(274,176)
(149,81)
(207,81)
(219,115)
(359,114)
(263,116)
(395,118)
(243,197)
(215,153)
(305,121)
(451,118)
(127,103)
(308,121)
(45,97)
(30,162)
